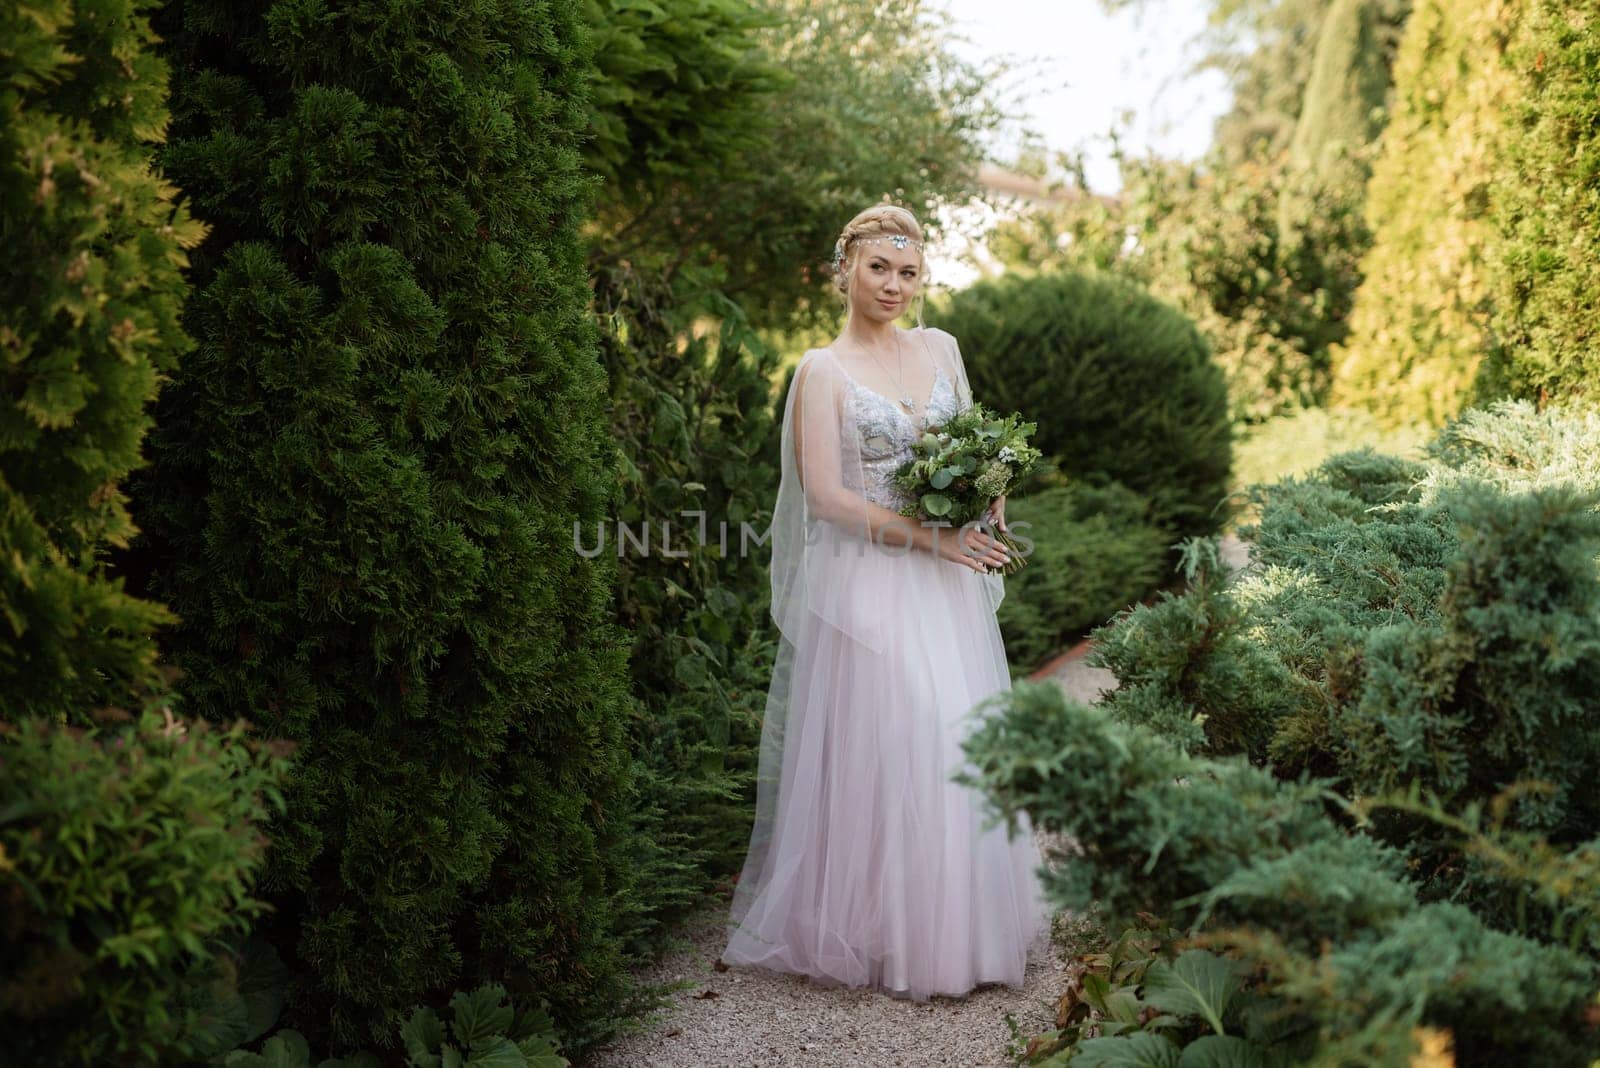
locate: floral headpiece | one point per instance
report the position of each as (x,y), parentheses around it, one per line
(897,240)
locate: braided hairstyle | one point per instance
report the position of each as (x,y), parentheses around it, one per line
(880,220)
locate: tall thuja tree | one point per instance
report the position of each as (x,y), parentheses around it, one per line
(1546,282)
(1346,99)
(91,277)
(1421,320)
(366,484)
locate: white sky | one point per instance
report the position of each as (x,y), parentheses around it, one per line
(1092,66)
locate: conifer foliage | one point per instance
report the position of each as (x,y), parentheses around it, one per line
(366,482)
(1367,764)
(93,249)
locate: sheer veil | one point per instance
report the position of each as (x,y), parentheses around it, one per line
(820,548)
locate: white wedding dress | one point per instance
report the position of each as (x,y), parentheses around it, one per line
(868,866)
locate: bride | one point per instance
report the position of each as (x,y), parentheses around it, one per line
(868,865)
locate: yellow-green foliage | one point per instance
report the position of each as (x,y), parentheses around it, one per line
(1297,441)
(1343,109)
(1548,278)
(1419,326)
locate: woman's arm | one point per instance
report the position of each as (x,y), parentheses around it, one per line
(817,462)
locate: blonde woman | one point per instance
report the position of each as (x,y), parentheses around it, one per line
(868,865)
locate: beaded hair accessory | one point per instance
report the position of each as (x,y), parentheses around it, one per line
(897,240)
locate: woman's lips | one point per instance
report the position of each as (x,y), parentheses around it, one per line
(889,303)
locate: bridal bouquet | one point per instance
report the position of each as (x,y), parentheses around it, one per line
(957,469)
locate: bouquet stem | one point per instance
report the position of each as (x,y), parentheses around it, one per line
(1017,561)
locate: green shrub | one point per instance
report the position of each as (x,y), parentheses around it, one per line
(1328,921)
(1476,285)
(1121,385)
(126,854)
(1411,623)
(483,1028)
(1365,766)
(693,419)
(364,486)
(1094,553)
(94,244)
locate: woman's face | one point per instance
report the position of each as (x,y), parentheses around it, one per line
(886,278)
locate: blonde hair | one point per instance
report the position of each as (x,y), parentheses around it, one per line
(880,220)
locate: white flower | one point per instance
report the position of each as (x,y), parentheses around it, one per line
(1005,455)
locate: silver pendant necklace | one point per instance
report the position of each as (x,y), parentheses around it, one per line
(900,364)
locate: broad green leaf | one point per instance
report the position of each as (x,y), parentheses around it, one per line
(1223,1051)
(1139,1050)
(483,1013)
(498,1052)
(689,670)
(936,504)
(242,1058)
(541,1054)
(286,1049)
(1121,1005)
(364,1059)
(1196,984)
(423,1034)
(262,981)
(221,1024)
(941,478)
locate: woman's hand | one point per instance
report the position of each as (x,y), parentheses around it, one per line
(997,513)
(970,547)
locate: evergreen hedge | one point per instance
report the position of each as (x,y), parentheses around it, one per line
(1344,107)
(364,491)
(1477,285)
(1121,385)
(1546,284)
(91,275)
(1420,323)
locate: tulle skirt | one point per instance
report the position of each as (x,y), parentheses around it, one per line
(868,866)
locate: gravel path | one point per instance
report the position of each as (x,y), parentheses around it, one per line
(751,1018)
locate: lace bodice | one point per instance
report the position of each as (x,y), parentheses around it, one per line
(887,434)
